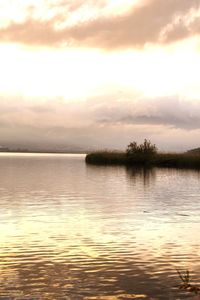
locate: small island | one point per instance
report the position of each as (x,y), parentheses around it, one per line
(145,154)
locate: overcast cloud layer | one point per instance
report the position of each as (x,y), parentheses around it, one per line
(108,121)
(148,21)
(145,85)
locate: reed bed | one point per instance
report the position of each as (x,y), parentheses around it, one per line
(169,160)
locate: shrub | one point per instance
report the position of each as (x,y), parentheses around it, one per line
(146,148)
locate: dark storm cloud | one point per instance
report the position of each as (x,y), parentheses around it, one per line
(150,21)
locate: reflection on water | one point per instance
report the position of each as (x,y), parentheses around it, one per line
(146,175)
(72,231)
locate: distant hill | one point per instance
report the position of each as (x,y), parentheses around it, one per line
(194,151)
(4,149)
(61,151)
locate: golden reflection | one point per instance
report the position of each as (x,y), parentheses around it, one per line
(119,297)
(68,229)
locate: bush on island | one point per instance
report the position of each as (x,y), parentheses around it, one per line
(140,153)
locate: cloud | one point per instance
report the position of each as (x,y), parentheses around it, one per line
(105,121)
(107,110)
(166,111)
(150,21)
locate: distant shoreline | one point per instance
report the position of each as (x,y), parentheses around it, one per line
(41,152)
(167,160)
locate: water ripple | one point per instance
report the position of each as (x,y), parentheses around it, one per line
(72,231)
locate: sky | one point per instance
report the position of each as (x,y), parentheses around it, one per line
(87,74)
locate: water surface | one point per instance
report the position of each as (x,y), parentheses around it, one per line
(74,231)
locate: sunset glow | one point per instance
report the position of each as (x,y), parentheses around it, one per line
(103,52)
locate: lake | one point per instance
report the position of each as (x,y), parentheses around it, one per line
(74,231)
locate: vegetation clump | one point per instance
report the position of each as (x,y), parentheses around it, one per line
(140,154)
(146,148)
(186,284)
(106,158)
(145,154)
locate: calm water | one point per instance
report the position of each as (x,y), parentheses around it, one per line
(72,231)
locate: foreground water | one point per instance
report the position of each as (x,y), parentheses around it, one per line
(73,231)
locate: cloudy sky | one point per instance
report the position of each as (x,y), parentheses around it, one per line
(99,74)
